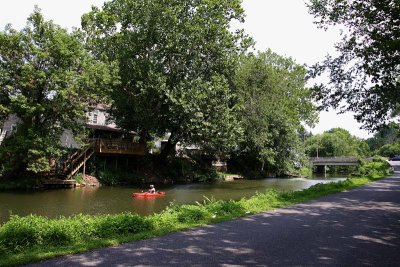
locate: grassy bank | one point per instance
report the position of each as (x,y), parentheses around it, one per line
(32,238)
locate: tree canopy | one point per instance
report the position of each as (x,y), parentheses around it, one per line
(275,103)
(176,61)
(387,135)
(47,78)
(366,73)
(336,142)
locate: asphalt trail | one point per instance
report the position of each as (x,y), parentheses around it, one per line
(360,227)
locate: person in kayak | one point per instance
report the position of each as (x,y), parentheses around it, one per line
(152,189)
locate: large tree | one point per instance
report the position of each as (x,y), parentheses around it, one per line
(387,135)
(336,142)
(276,103)
(47,78)
(176,61)
(365,76)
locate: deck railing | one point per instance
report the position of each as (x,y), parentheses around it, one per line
(107,146)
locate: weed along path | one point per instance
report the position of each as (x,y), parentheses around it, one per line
(357,227)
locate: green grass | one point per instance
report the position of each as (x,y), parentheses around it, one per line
(33,238)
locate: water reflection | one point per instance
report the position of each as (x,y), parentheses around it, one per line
(110,200)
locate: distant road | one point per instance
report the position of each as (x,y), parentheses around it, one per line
(354,228)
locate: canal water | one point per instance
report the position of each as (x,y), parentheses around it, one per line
(111,200)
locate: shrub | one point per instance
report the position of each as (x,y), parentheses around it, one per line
(20,233)
(121,224)
(164,220)
(58,232)
(375,167)
(261,201)
(225,208)
(79,178)
(118,177)
(191,213)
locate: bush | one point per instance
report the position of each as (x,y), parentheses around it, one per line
(261,201)
(191,214)
(375,167)
(194,169)
(122,224)
(389,150)
(118,177)
(22,233)
(79,178)
(225,208)
(165,220)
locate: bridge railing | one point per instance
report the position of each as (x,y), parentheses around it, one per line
(339,161)
(334,159)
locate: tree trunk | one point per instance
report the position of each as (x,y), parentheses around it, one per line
(169,148)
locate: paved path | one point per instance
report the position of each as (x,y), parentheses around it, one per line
(358,227)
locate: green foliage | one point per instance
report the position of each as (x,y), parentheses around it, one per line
(152,146)
(389,150)
(305,171)
(23,239)
(195,170)
(387,135)
(366,73)
(336,142)
(176,61)
(46,80)
(122,224)
(22,233)
(19,183)
(225,208)
(206,176)
(118,177)
(386,141)
(374,168)
(79,178)
(275,103)
(191,214)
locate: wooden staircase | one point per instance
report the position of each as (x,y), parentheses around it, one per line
(68,167)
(76,160)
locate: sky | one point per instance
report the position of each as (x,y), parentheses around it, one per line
(281,25)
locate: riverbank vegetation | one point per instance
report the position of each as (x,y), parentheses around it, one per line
(171,69)
(32,238)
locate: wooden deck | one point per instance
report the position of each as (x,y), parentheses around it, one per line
(58,183)
(121,147)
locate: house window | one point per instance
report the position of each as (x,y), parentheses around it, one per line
(89,117)
(94,118)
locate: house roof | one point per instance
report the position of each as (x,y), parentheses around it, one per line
(103,128)
(107,128)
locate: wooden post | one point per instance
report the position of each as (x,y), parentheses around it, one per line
(84,166)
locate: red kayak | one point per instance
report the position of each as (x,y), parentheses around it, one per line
(147,194)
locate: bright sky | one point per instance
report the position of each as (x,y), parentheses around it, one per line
(282,25)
